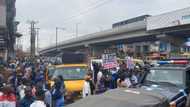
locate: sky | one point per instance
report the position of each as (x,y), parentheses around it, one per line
(90,15)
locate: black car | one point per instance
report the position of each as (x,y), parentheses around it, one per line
(166,85)
(169,80)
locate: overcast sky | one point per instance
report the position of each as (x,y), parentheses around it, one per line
(92,15)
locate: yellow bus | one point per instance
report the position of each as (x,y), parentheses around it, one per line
(73,75)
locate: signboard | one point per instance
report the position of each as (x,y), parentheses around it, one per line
(171,19)
(109,61)
(129,62)
(2,14)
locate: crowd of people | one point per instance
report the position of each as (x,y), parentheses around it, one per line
(24,82)
(106,79)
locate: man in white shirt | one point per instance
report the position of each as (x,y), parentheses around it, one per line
(39,102)
(86,87)
(99,76)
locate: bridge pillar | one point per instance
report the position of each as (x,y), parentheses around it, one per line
(87,50)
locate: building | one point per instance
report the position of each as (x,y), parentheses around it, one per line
(2,28)
(8,28)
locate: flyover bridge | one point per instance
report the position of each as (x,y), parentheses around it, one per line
(141,34)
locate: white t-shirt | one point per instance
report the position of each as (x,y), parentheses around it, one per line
(21,91)
(38,104)
(113,71)
(134,79)
(86,89)
(99,75)
(127,82)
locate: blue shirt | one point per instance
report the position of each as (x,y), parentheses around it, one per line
(26,102)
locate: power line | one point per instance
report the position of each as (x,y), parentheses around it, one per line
(88,10)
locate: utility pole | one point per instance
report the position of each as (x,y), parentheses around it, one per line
(56,34)
(37,39)
(33,37)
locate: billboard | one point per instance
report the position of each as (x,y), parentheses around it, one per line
(171,19)
(2,14)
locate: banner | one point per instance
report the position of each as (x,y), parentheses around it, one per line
(109,61)
(129,62)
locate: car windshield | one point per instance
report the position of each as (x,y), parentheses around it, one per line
(51,70)
(70,73)
(167,76)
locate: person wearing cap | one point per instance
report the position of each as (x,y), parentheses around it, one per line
(39,102)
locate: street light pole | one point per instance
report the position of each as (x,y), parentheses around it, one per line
(56,37)
(33,37)
(37,34)
(56,34)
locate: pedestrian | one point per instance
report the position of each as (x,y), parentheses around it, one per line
(9,96)
(21,89)
(48,96)
(114,77)
(99,76)
(108,77)
(58,92)
(124,79)
(86,88)
(100,86)
(39,102)
(28,98)
(92,85)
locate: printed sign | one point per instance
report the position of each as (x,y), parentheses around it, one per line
(109,61)
(130,63)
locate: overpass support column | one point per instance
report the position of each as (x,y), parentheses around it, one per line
(88,51)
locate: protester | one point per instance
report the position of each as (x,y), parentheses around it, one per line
(9,96)
(100,85)
(124,79)
(28,98)
(86,88)
(21,89)
(48,96)
(92,85)
(39,102)
(114,77)
(107,77)
(99,76)
(58,92)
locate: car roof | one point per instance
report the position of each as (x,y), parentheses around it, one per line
(173,67)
